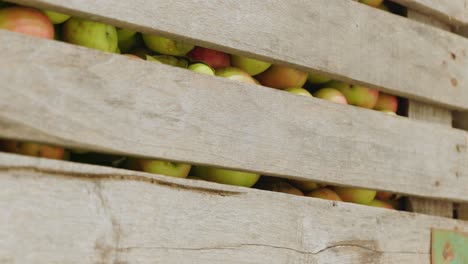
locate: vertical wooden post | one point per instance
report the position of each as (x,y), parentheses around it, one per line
(425,112)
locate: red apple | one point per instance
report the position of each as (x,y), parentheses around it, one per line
(299,91)
(373,3)
(305,186)
(34,149)
(386,102)
(355,195)
(235,74)
(26,20)
(356,95)
(282,77)
(382,195)
(332,95)
(216,59)
(382,204)
(324,193)
(168,168)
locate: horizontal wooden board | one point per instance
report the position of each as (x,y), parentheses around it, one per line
(453,12)
(73,96)
(58,212)
(344,39)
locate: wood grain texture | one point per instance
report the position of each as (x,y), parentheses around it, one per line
(341,39)
(59,212)
(463,211)
(429,113)
(452,12)
(111,103)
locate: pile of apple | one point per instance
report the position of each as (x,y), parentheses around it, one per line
(107,38)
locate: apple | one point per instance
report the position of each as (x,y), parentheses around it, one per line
(282,77)
(332,95)
(133,56)
(201,68)
(356,95)
(127,39)
(325,193)
(250,66)
(141,52)
(378,203)
(299,91)
(214,58)
(169,60)
(168,168)
(386,102)
(235,74)
(382,195)
(355,195)
(305,186)
(277,185)
(27,21)
(34,149)
(383,7)
(167,46)
(374,3)
(90,34)
(226,176)
(56,18)
(317,79)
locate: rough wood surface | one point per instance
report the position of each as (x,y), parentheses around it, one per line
(452,12)
(68,95)
(59,212)
(345,39)
(424,112)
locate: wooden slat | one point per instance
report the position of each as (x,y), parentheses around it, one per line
(452,12)
(345,39)
(59,212)
(429,113)
(68,95)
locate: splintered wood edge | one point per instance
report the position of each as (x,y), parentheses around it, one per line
(152,110)
(427,64)
(91,213)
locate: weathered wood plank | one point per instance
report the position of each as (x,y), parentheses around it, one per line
(342,39)
(68,95)
(452,12)
(424,112)
(60,212)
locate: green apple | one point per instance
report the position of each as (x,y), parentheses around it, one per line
(56,18)
(282,77)
(298,91)
(128,39)
(237,74)
(325,193)
(382,204)
(34,149)
(167,46)
(317,79)
(356,95)
(168,168)
(201,68)
(226,176)
(250,66)
(332,95)
(90,34)
(386,102)
(374,3)
(169,60)
(355,195)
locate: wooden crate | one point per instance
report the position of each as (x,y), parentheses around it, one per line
(64,212)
